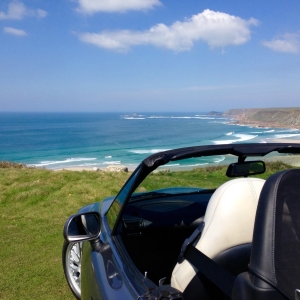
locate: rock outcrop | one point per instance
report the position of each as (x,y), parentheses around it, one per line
(266,117)
(116,168)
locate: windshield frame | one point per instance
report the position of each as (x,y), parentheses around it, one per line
(115,210)
(241,151)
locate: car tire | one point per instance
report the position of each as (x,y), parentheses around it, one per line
(71,260)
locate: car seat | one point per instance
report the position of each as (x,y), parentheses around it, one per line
(226,237)
(274,269)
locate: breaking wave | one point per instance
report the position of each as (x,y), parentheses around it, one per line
(240,138)
(116,162)
(220,159)
(150,151)
(134,118)
(282,136)
(56,162)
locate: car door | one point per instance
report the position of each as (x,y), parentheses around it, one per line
(107,272)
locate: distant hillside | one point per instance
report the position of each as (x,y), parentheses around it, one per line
(266,117)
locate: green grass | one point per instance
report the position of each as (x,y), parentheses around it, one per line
(35,204)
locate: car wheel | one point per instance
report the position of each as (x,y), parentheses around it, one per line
(71,259)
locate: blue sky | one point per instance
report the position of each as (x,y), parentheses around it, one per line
(148,55)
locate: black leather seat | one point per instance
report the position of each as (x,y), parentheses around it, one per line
(274,269)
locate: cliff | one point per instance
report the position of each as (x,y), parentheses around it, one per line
(266,117)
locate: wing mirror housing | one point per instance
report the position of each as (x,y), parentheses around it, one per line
(82,227)
(246,168)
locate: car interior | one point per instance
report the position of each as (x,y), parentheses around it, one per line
(227,235)
(155,227)
(273,271)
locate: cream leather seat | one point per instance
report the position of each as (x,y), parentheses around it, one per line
(227,235)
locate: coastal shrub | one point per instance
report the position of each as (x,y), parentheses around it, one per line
(8,164)
(277,166)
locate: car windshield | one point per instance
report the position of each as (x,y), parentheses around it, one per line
(116,206)
(167,192)
(166,184)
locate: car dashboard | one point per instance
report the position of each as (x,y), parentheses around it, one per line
(154,229)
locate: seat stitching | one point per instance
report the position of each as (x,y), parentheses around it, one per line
(262,276)
(208,225)
(175,279)
(268,280)
(253,190)
(273,225)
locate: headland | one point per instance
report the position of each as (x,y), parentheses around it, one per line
(266,117)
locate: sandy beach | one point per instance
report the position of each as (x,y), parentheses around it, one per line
(94,169)
(283,140)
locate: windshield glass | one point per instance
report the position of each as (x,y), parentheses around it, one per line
(115,208)
(164,182)
(168,180)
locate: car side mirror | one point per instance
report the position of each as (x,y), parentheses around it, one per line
(246,168)
(82,227)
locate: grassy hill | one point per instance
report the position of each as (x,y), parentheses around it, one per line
(35,204)
(266,117)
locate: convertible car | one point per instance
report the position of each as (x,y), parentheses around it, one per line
(237,240)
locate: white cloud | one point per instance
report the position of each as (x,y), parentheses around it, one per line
(288,43)
(92,6)
(41,13)
(217,29)
(14,31)
(17,11)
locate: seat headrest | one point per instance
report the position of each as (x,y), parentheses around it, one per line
(229,218)
(275,255)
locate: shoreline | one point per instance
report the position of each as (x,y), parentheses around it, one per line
(284,140)
(292,160)
(93,169)
(263,125)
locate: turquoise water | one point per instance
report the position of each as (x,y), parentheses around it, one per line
(57,140)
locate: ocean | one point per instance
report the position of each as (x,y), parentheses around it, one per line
(61,140)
